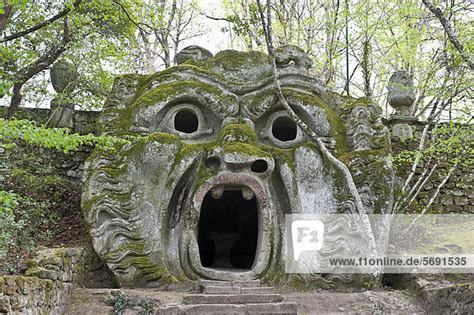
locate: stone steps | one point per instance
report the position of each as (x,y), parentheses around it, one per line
(231,298)
(221,283)
(235,297)
(237,290)
(214,297)
(260,308)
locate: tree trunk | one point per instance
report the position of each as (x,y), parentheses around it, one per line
(7,10)
(40,64)
(16,99)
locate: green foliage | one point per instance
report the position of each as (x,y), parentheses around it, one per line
(8,224)
(20,219)
(147,308)
(120,303)
(451,143)
(39,199)
(5,87)
(384,36)
(98,32)
(60,139)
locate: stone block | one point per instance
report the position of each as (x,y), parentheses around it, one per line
(257,290)
(207,309)
(10,286)
(221,290)
(231,298)
(216,283)
(5,306)
(461,201)
(446,200)
(402,132)
(246,283)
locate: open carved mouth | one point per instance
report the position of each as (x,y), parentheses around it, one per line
(228,227)
(230,239)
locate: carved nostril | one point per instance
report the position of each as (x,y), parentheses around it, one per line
(259,166)
(213,163)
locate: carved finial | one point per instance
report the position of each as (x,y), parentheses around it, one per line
(401,93)
(63,76)
(292,56)
(193,52)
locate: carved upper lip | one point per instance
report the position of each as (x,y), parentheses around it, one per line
(250,185)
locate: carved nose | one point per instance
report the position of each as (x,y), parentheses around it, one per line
(260,166)
(236,162)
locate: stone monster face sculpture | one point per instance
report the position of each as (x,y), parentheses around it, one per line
(204,191)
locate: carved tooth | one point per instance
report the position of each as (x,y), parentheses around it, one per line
(247,193)
(217,192)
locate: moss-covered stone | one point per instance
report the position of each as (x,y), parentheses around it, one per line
(154,187)
(238,133)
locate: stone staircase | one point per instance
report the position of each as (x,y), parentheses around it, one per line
(232,297)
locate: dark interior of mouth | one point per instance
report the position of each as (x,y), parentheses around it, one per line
(228,231)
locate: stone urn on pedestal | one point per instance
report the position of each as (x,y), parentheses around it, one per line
(63,79)
(401,97)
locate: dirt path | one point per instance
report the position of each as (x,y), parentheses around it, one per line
(364,302)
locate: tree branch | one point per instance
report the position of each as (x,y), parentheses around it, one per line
(40,25)
(281,98)
(7,11)
(215,18)
(450,32)
(130,18)
(42,63)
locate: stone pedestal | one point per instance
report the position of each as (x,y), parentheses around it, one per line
(223,242)
(61,115)
(63,78)
(401,96)
(402,132)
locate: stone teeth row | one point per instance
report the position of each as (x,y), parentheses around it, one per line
(217,192)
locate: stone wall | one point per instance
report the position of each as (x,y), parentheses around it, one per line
(457,194)
(67,165)
(31,295)
(84,122)
(49,279)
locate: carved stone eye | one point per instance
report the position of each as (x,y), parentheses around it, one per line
(186,121)
(284,129)
(281,130)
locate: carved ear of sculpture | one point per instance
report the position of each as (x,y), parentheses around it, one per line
(120,98)
(369,152)
(292,56)
(193,52)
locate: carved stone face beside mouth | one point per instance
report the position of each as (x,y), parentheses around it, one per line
(203,192)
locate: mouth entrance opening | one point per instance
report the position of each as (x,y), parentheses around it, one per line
(228,229)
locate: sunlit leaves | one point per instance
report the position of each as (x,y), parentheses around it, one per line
(99,31)
(60,139)
(450,142)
